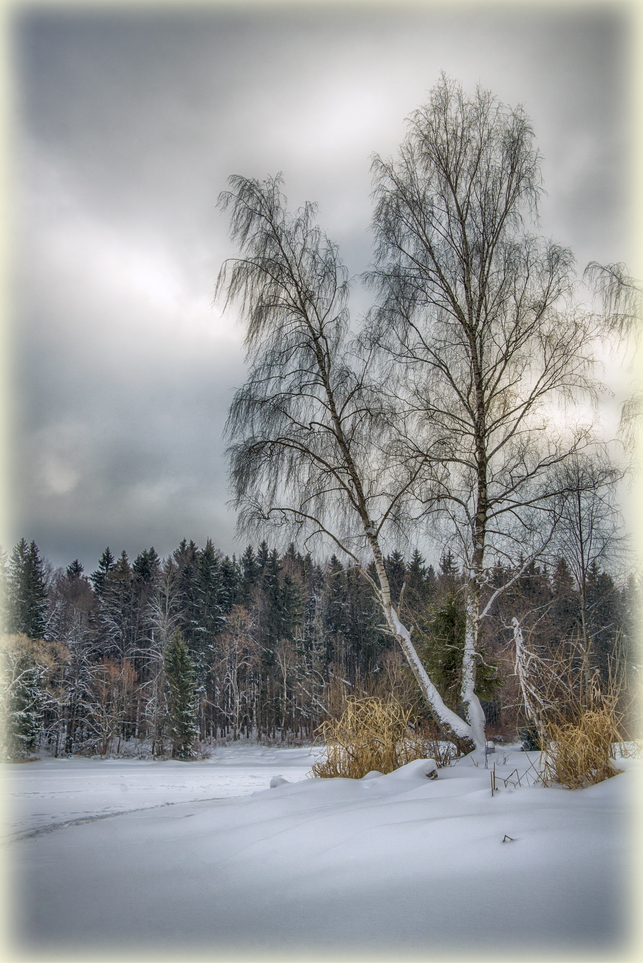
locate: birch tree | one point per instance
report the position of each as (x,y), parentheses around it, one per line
(480,337)
(310,438)
(622,302)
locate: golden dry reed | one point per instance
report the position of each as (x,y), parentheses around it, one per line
(583,727)
(371,734)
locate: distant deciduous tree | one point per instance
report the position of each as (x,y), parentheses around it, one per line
(113,686)
(236,671)
(589,534)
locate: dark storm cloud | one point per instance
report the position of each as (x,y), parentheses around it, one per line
(127,127)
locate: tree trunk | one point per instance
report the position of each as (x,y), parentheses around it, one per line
(474,711)
(465,737)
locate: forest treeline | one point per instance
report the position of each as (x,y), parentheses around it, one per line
(168,655)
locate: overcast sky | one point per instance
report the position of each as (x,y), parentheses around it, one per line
(127,126)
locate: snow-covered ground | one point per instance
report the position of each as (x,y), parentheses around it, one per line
(205,860)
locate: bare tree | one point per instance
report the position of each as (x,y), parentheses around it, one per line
(114,688)
(310,436)
(164,620)
(236,670)
(589,530)
(479,336)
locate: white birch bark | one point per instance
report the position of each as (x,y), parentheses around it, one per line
(464,734)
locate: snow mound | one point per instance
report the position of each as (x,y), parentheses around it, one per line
(279,781)
(416,771)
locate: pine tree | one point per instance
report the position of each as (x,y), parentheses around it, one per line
(181,698)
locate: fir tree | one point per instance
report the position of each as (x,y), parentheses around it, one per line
(27,591)
(181,698)
(105,564)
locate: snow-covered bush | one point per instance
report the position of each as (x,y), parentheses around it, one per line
(30,672)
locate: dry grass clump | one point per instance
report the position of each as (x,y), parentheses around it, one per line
(581,753)
(581,725)
(370,734)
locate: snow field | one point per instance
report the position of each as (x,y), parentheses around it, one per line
(389,867)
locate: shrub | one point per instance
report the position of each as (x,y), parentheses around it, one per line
(574,716)
(580,753)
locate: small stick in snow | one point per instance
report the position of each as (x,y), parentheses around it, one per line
(508,839)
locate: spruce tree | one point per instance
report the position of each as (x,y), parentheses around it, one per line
(74,570)
(27,591)
(105,564)
(5,614)
(116,618)
(181,697)
(249,574)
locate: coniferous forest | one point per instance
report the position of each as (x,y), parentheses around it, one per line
(169,656)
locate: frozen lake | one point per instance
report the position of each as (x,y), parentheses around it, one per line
(52,792)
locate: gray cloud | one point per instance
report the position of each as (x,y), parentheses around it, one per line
(128,125)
